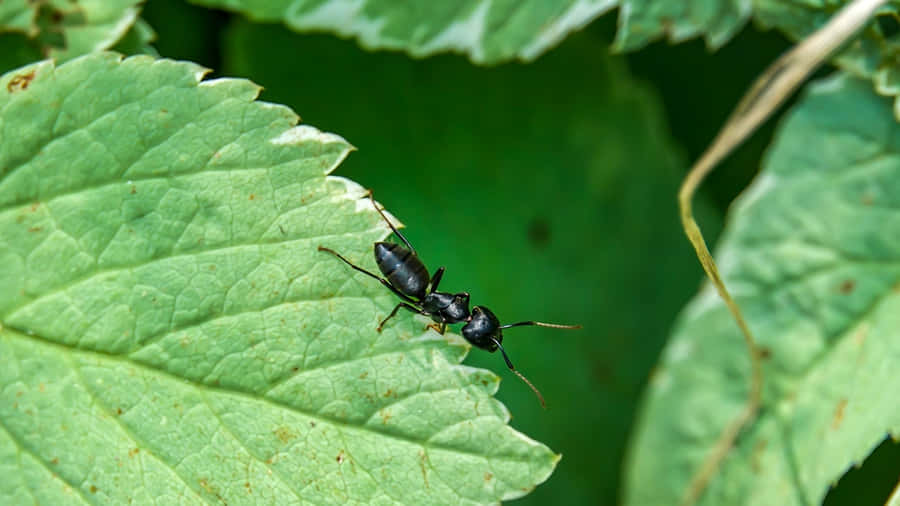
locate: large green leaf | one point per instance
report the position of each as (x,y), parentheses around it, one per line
(170,332)
(813,257)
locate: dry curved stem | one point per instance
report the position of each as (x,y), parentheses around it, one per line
(894,499)
(769,91)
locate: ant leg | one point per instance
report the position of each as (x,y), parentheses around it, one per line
(436,279)
(440,328)
(384,282)
(394,312)
(393,228)
(520,375)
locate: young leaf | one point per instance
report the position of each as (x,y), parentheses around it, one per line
(493,32)
(488,32)
(811,255)
(170,332)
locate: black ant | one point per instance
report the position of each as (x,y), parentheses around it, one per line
(408,279)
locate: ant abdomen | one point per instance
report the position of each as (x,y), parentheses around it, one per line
(402,268)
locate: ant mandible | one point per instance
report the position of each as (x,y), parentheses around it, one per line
(407,277)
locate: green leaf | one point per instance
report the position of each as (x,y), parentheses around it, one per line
(170,332)
(64,29)
(495,31)
(137,40)
(487,31)
(642,21)
(811,252)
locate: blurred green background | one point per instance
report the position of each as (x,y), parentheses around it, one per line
(546,189)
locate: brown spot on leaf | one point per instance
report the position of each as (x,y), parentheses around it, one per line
(757,452)
(859,337)
(247,486)
(847,286)
(55,461)
(363,375)
(340,457)
(252,196)
(118,411)
(204,483)
(35,229)
(764,352)
(422,458)
(284,434)
(134,451)
(838,414)
(20,82)
(488,476)
(133,189)
(93,489)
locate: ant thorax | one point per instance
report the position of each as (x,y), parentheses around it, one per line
(446,307)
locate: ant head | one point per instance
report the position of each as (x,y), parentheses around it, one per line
(483,329)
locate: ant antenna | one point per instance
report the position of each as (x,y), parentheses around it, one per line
(393,228)
(517,373)
(541,324)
